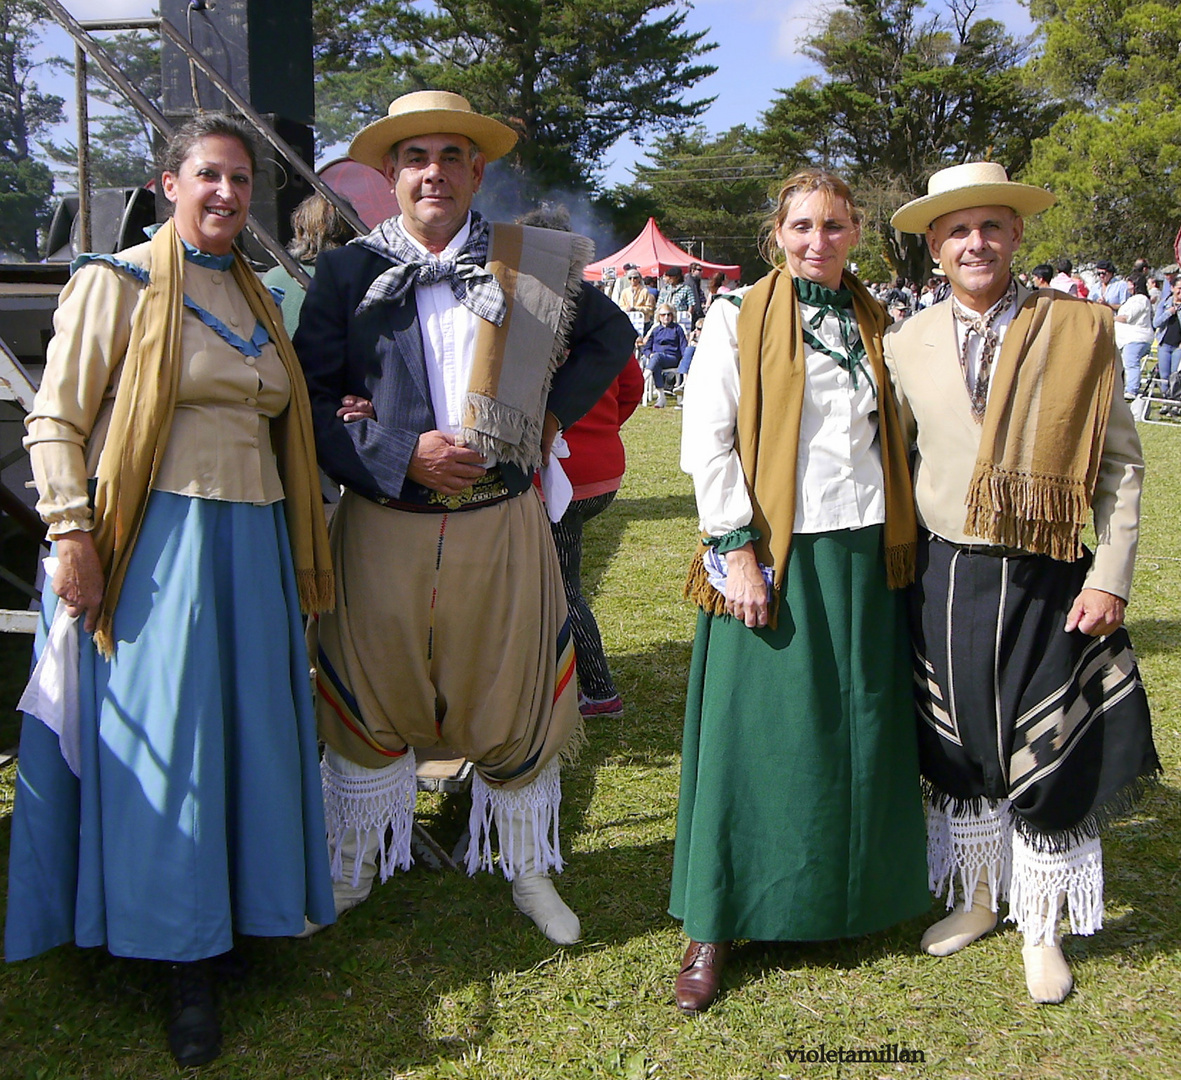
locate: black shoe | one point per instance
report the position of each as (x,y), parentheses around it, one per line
(194,1035)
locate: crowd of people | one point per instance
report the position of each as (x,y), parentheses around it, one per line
(908,672)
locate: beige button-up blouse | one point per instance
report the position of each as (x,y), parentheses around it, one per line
(219,446)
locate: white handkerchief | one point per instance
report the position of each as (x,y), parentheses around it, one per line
(555,484)
(52,692)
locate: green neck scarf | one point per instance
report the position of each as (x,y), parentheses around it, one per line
(838,302)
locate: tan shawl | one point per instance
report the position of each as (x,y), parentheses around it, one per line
(771,373)
(141,419)
(1044,428)
(540,271)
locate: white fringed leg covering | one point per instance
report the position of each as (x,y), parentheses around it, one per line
(536,802)
(369,801)
(1041,879)
(968,848)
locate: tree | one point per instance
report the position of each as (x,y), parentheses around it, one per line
(1115,175)
(1113,159)
(1100,53)
(901,96)
(571,76)
(25,113)
(716,191)
(121,151)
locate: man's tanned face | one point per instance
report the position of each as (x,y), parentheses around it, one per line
(975,247)
(434,178)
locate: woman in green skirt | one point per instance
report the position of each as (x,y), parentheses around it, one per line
(800,814)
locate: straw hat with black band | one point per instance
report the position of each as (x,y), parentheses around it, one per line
(430,112)
(978,183)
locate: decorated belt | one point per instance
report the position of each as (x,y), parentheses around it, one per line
(487,491)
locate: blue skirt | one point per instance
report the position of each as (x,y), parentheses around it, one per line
(199,812)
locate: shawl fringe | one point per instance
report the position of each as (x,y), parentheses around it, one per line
(900,564)
(1045,514)
(317,590)
(698,589)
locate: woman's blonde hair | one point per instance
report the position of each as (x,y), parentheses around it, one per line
(316,226)
(804,182)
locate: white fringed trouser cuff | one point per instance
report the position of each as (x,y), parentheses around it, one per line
(368,802)
(526,820)
(1041,879)
(969,848)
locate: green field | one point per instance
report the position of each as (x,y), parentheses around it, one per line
(439,976)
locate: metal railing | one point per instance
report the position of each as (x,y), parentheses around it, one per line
(87,47)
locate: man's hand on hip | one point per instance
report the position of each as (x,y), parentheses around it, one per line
(440,464)
(1096,612)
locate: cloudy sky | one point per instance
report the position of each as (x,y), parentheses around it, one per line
(756,54)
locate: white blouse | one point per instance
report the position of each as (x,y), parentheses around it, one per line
(839,482)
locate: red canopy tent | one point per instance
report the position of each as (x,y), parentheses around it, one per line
(654,254)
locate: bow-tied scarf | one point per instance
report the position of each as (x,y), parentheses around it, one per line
(837,302)
(473,286)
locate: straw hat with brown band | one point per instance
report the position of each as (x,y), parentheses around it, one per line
(978,183)
(430,112)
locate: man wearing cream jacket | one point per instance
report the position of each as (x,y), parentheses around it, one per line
(1033,723)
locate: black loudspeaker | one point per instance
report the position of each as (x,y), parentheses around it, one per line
(118,218)
(263,48)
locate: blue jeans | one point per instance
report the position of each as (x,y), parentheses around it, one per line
(1168,358)
(1133,353)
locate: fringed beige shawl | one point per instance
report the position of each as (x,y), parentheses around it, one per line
(771,373)
(141,419)
(1044,428)
(540,271)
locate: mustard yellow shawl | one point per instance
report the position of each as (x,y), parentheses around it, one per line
(1042,438)
(141,419)
(772,373)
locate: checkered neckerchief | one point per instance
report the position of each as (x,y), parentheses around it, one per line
(473,286)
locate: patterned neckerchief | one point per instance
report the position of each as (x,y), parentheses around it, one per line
(837,302)
(982,325)
(473,286)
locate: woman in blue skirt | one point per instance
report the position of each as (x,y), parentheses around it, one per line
(176,801)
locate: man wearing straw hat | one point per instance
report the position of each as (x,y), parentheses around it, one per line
(1033,723)
(458,349)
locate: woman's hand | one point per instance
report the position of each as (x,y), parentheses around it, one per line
(746,589)
(355,408)
(79,579)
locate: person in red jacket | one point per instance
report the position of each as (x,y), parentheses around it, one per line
(595,468)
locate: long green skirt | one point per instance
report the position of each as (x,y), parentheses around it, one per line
(800,814)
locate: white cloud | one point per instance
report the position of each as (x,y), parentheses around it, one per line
(801,19)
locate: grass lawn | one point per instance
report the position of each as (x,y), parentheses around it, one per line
(439,976)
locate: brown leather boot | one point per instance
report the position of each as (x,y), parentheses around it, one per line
(701,975)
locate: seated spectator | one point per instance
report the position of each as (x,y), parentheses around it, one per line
(664,348)
(637,301)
